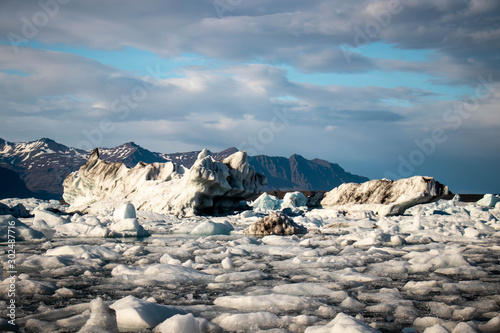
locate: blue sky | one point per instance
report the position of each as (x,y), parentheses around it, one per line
(366,84)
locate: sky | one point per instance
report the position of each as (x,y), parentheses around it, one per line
(385,88)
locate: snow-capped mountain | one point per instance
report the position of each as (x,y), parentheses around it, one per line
(44,164)
(130,154)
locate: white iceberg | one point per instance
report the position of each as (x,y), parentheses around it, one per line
(489,200)
(294,199)
(343,323)
(133,314)
(384,197)
(212,228)
(266,202)
(165,187)
(11,228)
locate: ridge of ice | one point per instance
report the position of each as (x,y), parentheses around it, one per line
(165,187)
(384,197)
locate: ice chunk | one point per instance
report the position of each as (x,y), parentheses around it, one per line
(75,229)
(212,228)
(127,211)
(12,228)
(102,318)
(471,233)
(265,302)
(179,323)
(128,228)
(294,199)
(488,200)
(83,251)
(493,325)
(162,273)
(247,321)
(27,287)
(310,289)
(384,197)
(266,202)
(421,323)
(50,218)
(464,327)
(352,305)
(423,287)
(227,263)
(342,324)
(241,276)
(436,329)
(133,314)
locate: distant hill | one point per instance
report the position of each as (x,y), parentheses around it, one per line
(42,166)
(298,173)
(11,186)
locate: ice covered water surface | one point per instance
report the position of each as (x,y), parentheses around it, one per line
(436,269)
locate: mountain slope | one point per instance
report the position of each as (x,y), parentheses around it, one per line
(298,173)
(42,164)
(11,186)
(130,154)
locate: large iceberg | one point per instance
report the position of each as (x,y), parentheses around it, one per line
(384,197)
(208,186)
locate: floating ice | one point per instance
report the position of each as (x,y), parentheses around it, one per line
(133,314)
(311,289)
(212,228)
(275,302)
(241,276)
(17,210)
(342,323)
(166,187)
(10,226)
(489,200)
(161,273)
(179,323)
(84,251)
(129,227)
(266,202)
(76,229)
(293,200)
(248,321)
(127,211)
(102,319)
(384,197)
(50,218)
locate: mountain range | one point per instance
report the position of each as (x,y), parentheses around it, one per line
(38,168)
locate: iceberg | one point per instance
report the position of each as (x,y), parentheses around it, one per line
(208,186)
(384,197)
(293,200)
(489,200)
(11,227)
(266,202)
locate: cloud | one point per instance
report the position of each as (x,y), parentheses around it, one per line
(308,36)
(234,94)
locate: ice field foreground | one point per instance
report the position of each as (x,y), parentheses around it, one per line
(434,269)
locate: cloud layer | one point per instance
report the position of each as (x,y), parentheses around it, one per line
(240,92)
